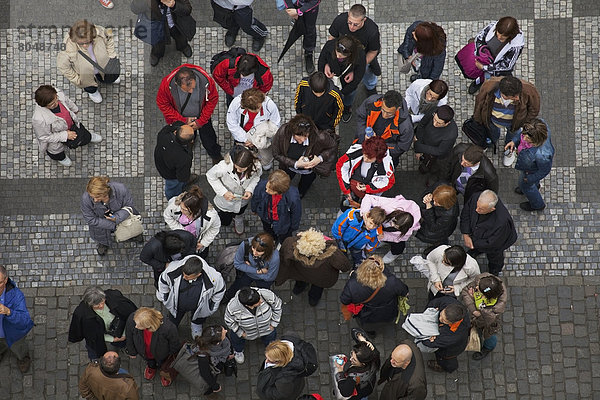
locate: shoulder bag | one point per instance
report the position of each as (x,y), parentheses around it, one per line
(113,67)
(348,310)
(129,228)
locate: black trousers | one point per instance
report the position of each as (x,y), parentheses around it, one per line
(107,79)
(243,18)
(495,260)
(158,50)
(309,42)
(227,216)
(208,137)
(449,365)
(397,248)
(306,181)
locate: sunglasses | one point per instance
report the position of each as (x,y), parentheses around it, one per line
(260,242)
(343,49)
(303,124)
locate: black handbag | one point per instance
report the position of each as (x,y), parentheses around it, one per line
(230,367)
(148,30)
(222,16)
(113,67)
(476,132)
(115,329)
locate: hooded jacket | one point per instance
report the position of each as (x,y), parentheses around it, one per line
(379,179)
(526,108)
(228,78)
(283,383)
(50,129)
(490,320)
(222,178)
(495,233)
(350,231)
(167,98)
(93,213)
(535,162)
(172,159)
(77,69)
(212,293)
(390,205)
(398,134)
(438,271)
(86,324)
(207,225)
(412,96)
(241,320)
(320,143)
(322,270)
(18,323)
(507,57)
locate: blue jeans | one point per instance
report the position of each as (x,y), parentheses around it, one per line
(357,256)
(495,133)
(348,99)
(239,343)
(370,79)
(241,280)
(490,343)
(531,191)
(173,188)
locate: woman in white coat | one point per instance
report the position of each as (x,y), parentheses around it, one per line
(192,212)
(424,96)
(253,119)
(450,270)
(56,125)
(233,180)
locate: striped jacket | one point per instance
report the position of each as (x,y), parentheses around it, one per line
(240,320)
(325,111)
(348,229)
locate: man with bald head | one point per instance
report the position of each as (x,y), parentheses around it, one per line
(404,374)
(488,228)
(104,379)
(173,156)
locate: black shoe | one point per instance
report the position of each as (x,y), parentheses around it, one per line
(527,207)
(101,249)
(139,238)
(257,44)
(413,77)
(474,88)
(187,51)
(371,92)
(480,355)
(519,191)
(154,61)
(354,332)
(313,302)
(309,63)
(230,38)
(346,115)
(299,287)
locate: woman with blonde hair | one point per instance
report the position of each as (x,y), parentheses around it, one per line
(154,338)
(192,212)
(377,289)
(310,257)
(287,362)
(88,47)
(102,208)
(439,214)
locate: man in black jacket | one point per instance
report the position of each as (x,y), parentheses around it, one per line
(470,171)
(173,156)
(404,374)
(434,137)
(488,228)
(454,327)
(317,98)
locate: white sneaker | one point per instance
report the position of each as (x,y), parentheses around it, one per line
(117,81)
(238,224)
(509,158)
(96,97)
(196,330)
(389,257)
(96,138)
(66,162)
(239,357)
(268,166)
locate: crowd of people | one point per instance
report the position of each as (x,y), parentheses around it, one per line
(464,302)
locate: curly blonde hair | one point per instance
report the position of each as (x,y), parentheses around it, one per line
(311,243)
(370,273)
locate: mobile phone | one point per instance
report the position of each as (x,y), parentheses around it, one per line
(108,213)
(447,289)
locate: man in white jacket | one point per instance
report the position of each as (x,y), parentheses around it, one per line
(191,285)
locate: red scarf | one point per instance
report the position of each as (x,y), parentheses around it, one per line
(275,199)
(454,326)
(250,123)
(147,341)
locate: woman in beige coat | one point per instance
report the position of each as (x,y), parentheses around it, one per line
(450,270)
(95,42)
(56,125)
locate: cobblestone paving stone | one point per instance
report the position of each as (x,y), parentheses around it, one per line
(549,347)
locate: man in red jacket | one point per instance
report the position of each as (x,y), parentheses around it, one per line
(188,94)
(245,72)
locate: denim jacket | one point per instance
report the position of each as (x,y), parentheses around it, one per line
(535,162)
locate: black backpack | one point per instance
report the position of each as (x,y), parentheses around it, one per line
(477,133)
(231,55)
(307,352)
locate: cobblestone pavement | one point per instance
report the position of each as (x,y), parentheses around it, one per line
(549,347)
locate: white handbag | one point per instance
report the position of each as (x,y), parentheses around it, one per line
(129,228)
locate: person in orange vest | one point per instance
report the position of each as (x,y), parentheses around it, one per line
(388,118)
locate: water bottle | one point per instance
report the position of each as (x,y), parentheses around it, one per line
(369,132)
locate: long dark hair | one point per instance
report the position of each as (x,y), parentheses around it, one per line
(401,220)
(211,335)
(431,39)
(350,46)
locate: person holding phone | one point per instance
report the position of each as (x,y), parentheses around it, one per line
(450,270)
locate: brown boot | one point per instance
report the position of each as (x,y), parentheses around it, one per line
(24,364)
